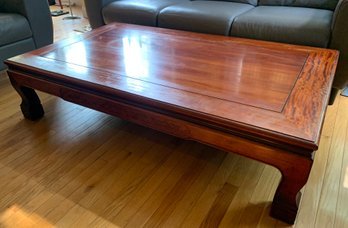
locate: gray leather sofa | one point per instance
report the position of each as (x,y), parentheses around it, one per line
(319,23)
(24,26)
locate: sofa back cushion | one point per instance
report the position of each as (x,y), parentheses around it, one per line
(321,4)
(251,2)
(13,28)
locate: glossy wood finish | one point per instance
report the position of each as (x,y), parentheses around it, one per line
(262,100)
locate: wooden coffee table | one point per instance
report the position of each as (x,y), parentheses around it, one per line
(262,100)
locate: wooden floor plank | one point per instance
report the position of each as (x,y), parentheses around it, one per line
(194,193)
(331,183)
(129,181)
(246,189)
(178,191)
(261,198)
(55,208)
(123,191)
(312,190)
(220,206)
(139,197)
(200,210)
(162,193)
(101,185)
(72,216)
(341,209)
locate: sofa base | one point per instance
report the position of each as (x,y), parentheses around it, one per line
(333,95)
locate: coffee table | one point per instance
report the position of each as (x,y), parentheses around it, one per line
(262,100)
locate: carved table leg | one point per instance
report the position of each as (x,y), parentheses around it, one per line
(31,106)
(287,197)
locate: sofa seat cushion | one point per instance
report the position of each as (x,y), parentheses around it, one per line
(135,12)
(13,28)
(295,25)
(197,16)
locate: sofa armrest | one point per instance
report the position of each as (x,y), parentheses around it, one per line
(39,17)
(339,41)
(94,11)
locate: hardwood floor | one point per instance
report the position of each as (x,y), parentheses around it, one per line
(80,168)
(66,28)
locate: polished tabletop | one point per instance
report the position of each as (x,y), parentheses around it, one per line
(276,91)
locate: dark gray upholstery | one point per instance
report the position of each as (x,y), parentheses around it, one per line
(295,25)
(143,12)
(94,10)
(339,41)
(16,48)
(15,27)
(24,25)
(252,2)
(196,16)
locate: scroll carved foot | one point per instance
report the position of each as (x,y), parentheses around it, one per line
(286,200)
(31,106)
